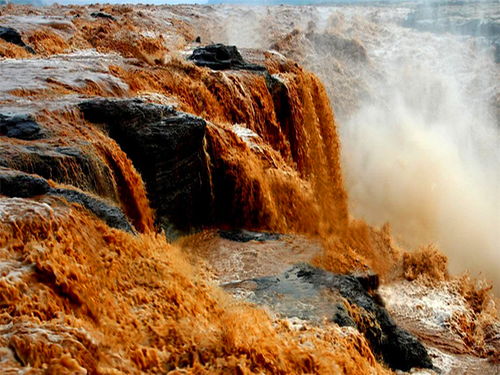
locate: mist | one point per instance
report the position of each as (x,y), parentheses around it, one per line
(423,153)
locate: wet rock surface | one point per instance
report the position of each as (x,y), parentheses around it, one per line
(21,185)
(102,15)
(111,215)
(369,280)
(11,35)
(20,126)
(313,294)
(71,165)
(166,146)
(246,235)
(222,57)
(16,184)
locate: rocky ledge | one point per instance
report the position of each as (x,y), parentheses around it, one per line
(222,57)
(166,147)
(312,294)
(16,184)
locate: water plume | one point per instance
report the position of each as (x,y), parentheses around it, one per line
(423,154)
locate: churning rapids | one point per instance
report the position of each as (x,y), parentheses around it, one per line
(231,189)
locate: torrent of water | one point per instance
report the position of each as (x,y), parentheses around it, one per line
(420,151)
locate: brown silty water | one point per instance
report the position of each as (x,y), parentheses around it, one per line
(80,297)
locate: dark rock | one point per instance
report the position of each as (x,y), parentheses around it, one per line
(369,280)
(222,57)
(18,184)
(245,235)
(111,215)
(102,15)
(20,126)
(198,39)
(166,147)
(403,351)
(21,185)
(77,165)
(311,293)
(342,317)
(11,35)
(283,108)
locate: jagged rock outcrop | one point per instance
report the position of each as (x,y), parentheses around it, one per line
(85,159)
(120,302)
(102,15)
(222,57)
(311,293)
(167,148)
(20,126)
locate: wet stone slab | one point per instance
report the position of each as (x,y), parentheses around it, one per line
(312,294)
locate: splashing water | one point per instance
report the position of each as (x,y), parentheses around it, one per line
(423,153)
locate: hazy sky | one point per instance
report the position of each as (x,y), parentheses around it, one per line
(126,1)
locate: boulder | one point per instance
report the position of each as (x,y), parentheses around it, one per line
(167,148)
(11,35)
(222,57)
(369,280)
(20,126)
(310,293)
(402,351)
(102,15)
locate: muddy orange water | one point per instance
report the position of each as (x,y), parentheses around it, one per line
(78,297)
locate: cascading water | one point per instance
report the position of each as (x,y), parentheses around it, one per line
(107,153)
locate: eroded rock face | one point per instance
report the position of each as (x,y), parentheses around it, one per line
(222,57)
(20,126)
(313,294)
(167,148)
